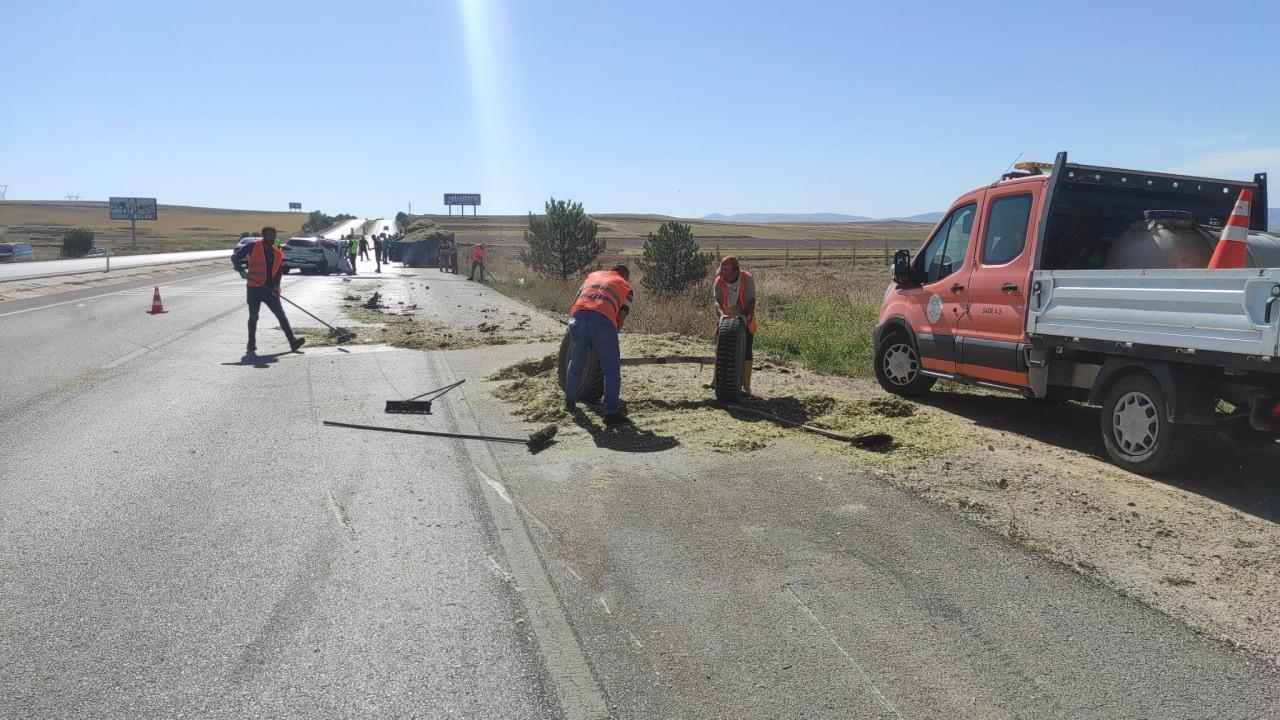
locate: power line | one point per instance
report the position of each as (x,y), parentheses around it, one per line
(4,190)
(73,197)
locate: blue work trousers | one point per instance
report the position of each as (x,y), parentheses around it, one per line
(589,329)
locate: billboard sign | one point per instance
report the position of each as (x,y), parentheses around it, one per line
(462,198)
(132,208)
(295,206)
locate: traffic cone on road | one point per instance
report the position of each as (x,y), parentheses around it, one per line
(1234,242)
(157,307)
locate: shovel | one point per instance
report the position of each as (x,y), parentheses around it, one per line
(343,334)
(417,406)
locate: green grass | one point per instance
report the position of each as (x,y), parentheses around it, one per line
(826,334)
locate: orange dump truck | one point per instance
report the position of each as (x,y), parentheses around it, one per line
(1078,282)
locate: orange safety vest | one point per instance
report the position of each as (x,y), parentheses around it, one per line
(723,287)
(477,253)
(604,291)
(259,272)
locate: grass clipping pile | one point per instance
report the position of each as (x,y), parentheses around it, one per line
(379,317)
(668,402)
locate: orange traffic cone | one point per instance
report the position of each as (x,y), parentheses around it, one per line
(1230,252)
(157,307)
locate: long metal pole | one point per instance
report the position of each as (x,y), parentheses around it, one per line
(133,230)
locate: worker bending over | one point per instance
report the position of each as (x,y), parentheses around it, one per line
(261,264)
(735,296)
(598,313)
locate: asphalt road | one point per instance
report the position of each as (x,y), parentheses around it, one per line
(49,268)
(182,537)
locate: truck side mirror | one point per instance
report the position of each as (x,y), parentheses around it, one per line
(902,267)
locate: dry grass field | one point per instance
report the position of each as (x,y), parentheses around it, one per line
(626,233)
(177,227)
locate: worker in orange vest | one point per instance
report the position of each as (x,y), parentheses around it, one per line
(735,296)
(598,312)
(477,261)
(261,264)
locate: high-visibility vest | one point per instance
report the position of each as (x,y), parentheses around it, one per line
(604,291)
(353,247)
(477,253)
(723,287)
(260,271)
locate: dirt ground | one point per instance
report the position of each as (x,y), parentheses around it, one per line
(1204,547)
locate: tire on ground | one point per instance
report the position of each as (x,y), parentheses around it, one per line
(731,346)
(591,389)
(898,368)
(1136,429)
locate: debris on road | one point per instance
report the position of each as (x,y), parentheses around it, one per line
(340,333)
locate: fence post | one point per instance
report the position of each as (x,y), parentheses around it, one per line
(787,262)
(819,252)
(886,249)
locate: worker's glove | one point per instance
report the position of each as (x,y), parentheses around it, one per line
(243,273)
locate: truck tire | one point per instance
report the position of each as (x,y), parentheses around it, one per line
(591,389)
(897,366)
(1136,429)
(731,346)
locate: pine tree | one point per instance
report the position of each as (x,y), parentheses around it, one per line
(671,259)
(563,242)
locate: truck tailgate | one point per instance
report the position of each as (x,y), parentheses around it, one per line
(1203,310)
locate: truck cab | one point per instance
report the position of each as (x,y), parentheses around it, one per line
(1019,288)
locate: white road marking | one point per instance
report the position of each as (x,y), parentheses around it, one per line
(831,636)
(497,486)
(96,297)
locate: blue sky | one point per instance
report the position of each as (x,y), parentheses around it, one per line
(683,108)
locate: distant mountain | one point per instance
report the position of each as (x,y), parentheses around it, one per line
(932,218)
(787,217)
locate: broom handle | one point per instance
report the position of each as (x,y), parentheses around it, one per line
(426,432)
(282,297)
(442,391)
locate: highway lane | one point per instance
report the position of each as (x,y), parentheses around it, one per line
(153,567)
(182,537)
(50,268)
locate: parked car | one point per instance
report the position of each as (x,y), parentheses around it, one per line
(96,252)
(1078,282)
(246,240)
(310,255)
(16,252)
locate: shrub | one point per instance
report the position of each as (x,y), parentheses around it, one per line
(671,260)
(563,242)
(76,242)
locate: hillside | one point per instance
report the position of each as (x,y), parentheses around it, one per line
(932,217)
(176,228)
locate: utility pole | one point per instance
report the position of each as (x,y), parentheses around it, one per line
(4,190)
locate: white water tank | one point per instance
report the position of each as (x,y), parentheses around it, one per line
(1165,239)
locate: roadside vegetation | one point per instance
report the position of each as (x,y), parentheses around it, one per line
(76,242)
(817,315)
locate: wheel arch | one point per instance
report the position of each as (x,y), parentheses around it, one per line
(1188,393)
(894,323)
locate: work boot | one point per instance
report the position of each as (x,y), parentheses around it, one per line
(296,343)
(250,350)
(614,419)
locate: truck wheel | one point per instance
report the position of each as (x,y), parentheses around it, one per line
(731,345)
(898,366)
(591,389)
(1136,429)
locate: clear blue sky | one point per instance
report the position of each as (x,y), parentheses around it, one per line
(677,107)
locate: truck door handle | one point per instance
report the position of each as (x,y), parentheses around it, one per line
(957,287)
(1009,288)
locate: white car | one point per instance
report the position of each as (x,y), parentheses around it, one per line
(310,255)
(96,252)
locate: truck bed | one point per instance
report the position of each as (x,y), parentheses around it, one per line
(1188,312)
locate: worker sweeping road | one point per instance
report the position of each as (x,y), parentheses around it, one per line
(261,264)
(598,313)
(735,296)
(477,261)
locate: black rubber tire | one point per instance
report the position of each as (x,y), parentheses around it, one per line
(591,389)
(908,382)
(1136,429)
(731,346)
(322,269)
